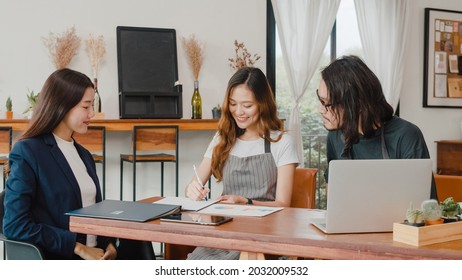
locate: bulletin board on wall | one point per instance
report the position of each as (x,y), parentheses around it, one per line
(443,59)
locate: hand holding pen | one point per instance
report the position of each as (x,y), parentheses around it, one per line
(199,181)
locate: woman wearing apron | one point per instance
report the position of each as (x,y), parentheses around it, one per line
(251,154)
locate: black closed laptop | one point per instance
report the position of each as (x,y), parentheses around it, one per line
(126,210)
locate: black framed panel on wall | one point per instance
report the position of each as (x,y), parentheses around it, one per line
(442,59)
(148,73)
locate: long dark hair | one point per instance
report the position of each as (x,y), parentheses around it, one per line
(63,89)
(353,87)
(228,130)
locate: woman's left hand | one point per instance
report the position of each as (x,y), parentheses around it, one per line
(110,253)
(235,199)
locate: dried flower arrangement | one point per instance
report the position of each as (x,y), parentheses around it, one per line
(62,47)
(243,57)
(195,53)
(96,49)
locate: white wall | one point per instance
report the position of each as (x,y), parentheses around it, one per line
(435,123)
(25,63)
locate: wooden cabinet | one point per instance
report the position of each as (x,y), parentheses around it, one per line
(449,157)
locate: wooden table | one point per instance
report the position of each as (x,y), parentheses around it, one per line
(287,232)
(127,124)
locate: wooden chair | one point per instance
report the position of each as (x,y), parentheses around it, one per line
(448,186)
(6,135)
(303,196)
(152,144)
(95,142)
(304,189)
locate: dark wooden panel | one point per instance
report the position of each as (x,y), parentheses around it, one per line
(449,157)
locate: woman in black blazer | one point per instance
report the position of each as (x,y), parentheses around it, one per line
(50,174)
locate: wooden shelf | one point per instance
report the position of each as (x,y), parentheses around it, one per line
(127,124)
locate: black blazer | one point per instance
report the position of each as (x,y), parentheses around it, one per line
(40,189)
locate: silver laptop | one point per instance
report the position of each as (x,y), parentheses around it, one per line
(370,195)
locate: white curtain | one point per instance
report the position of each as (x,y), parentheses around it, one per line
(304,27)
(383,27)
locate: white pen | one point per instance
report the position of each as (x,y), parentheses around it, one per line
(198,178)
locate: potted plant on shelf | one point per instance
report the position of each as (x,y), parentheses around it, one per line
(9,108)
(32,99)
(216,112)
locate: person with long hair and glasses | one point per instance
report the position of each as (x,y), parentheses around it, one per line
(251,153)
(360,122)
(50,174)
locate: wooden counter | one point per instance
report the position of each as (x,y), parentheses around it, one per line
(127,124)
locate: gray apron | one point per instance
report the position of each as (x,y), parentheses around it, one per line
(252,177)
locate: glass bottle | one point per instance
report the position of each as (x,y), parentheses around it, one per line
(196,102)
(97,102)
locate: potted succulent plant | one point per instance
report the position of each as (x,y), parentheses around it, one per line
(414,217)
(9,108)
(431,212)
(216,112)
(450,209)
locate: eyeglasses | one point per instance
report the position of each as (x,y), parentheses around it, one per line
(323,103)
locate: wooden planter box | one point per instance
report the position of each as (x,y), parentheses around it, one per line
(420,236)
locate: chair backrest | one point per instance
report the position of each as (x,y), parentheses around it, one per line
(304,188)
(6,134)
(448,186)
(155,138)
(94,140)
(17,250)
(2,198)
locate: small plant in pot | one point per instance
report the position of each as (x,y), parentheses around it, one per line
(414,217)
(9,108)
(32,100)
(216,112)
(450,209)
(431,212)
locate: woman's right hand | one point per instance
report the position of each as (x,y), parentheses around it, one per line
(88,253)
(195,191)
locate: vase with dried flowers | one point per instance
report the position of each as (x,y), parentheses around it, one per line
(242,57)
(194,53)
(62,47)
(9,108)
(96,49)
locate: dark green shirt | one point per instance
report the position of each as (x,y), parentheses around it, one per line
(402,140)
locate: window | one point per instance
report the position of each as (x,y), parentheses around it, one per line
(344,40)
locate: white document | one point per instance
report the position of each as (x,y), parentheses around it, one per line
(441,86)
(186,203)
(453,64)
(239,210)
